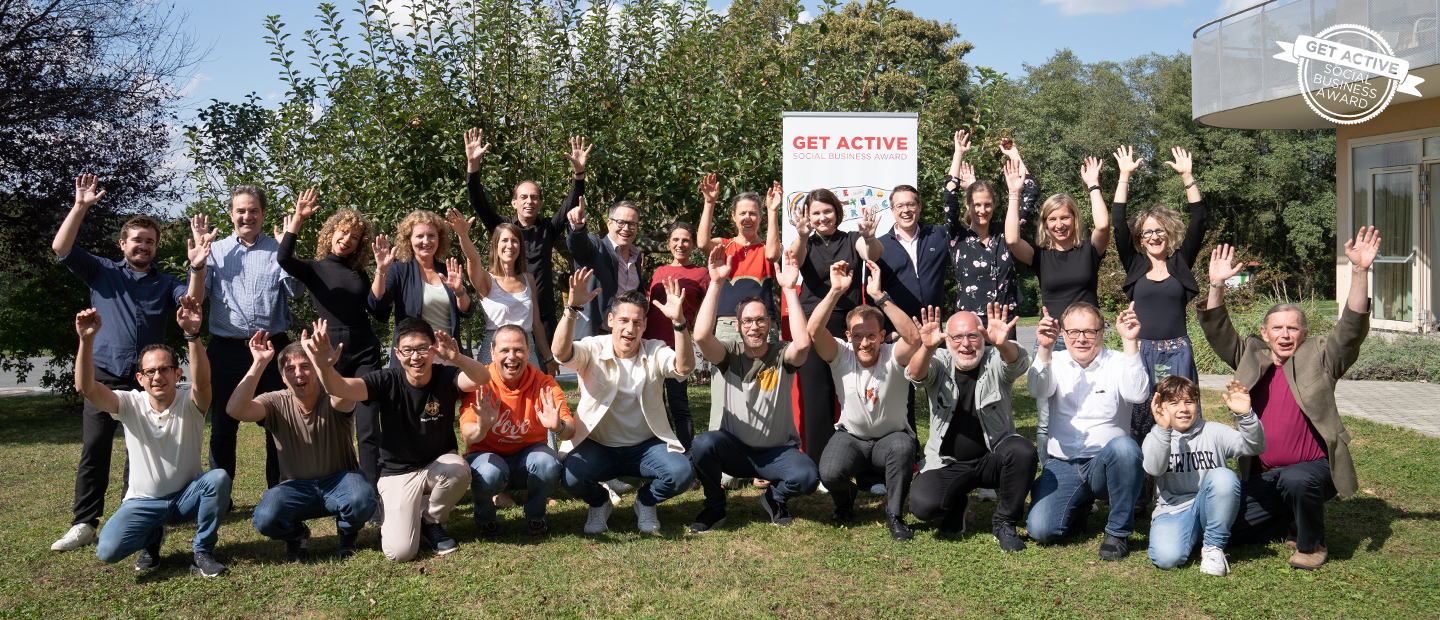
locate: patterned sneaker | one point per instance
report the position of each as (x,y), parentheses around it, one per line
(78,536)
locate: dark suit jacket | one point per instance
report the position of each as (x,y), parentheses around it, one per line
(599,255)
(1312,372)
(898,276)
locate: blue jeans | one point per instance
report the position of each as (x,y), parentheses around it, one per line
(490,474)
(1042,408)
(789,471)
(1173,536)
(1162,358)
(591,463)
(285,507)
(140,522)
(1066,486)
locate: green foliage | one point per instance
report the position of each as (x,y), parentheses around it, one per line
(1401,358)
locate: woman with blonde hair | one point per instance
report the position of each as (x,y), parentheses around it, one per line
(422,284)
(506,290)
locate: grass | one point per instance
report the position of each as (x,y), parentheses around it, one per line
(1384,545)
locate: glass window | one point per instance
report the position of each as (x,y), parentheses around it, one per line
(1432,146)
(1362,159)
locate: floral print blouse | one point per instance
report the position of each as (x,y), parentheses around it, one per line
(984,272)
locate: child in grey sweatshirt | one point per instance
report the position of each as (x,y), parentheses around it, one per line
(1197,496)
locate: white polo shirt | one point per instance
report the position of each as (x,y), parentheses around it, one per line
(164,446)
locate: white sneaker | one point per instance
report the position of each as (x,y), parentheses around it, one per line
(987,495)
(616,488)
(78,536)
(649,521)
(599,518)
(823,489)
(1213,562)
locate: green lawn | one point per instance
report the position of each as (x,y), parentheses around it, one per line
(1384,545)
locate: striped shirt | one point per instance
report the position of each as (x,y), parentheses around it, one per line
(245,285)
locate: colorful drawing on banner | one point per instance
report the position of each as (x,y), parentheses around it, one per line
(854,200)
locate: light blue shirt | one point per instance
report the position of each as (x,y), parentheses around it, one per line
(247,288)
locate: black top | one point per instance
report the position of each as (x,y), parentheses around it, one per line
(985,271)
(341,295)
(417,424)
(540,238)
(821,252)
(1180,262)
(965,439)
(1067,277)
(1162,304)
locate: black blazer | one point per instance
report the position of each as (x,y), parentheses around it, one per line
(1137,263)
(910,291)
(599,255)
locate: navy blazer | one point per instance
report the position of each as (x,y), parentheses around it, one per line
(404,284)
(898,277)
(598,254)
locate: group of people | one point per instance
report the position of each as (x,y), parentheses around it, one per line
(815,390)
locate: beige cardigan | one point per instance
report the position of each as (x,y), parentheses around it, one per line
(593,359)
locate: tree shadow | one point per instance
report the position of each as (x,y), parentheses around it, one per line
(1364,521)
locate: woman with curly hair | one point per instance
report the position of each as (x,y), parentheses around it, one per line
(422,285)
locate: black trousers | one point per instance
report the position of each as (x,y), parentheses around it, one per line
(1009,468)
(361,356)
(677,395)
(848,455)
(229,361)
(1269,500)
(817,394)
(97,442)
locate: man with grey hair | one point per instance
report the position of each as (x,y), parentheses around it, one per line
(617,263)
(1291,379)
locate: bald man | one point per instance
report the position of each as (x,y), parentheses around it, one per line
(972,442)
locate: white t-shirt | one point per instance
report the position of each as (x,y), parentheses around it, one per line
(625,424)
(164,446)
(872,400)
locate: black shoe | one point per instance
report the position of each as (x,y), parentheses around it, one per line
(149,558)
(536,528)
(490,530)
(1008,539)
(779,514)
(898,530)
(1114,548)
(344,545)
(378,519)
(207,565)
(842,516)
(439,540)
(297,549)
(708,520)
(954,522)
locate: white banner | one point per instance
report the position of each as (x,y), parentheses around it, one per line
(859,156)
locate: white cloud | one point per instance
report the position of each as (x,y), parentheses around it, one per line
(1110,7)
(804,17)
(195,81)
(272,96)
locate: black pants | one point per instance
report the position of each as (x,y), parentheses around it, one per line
(1009,468)
(1269,500)
(678,396)
(97,442)
(361,356)
(817,394)
(229,361)
(848,455)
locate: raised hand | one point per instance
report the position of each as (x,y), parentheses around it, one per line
(932,327)
(775,197)
(962,143)
(188,315)
(840,276)
(1128,323)
(279,229)
(306,204)
(475,146)
(547,411)
(720,264)
(260,348)
(579,154)
(1048,331)
(800,220)
(872,287)
(485,413)
(1008,148)
(1162,419)
(997,329)
(710,188)
(1090,171)
(85,194)
(580,293)
(200,229)
(1182,162)
(445,347)
(673,308)
(459,223)
(577,215)
(1014,176)
(1363,248)
(967,176)
(452,276)
(87,323)
(1125,159)
(789,274)
(317,345)
(384,254)
(867,224)
(1236,397)
(197,254)
(1223,265)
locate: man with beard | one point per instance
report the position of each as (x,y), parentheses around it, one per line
(134,299)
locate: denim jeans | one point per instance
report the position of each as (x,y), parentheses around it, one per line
(490,474)
(789,471)
(285,507)
(141,521)
(1163,358)
(1173,536)
(1066,486)
(1042,408)
(591,463)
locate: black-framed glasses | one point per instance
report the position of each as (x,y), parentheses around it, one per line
(754,321)
(1153,232)
(1076,334)
(409,353)
(155,372)
(635,225)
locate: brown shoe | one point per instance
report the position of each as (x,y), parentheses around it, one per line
(1290,542)
(1310,561)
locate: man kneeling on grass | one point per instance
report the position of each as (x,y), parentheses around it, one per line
(756,437)
(506,424)
(315,442)
(164,428)
(622,429)
(1197,497)
(421,476)
(972,442)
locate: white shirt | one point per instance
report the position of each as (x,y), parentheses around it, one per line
(600,373)
(503,308)
(872,400)
(1088,406)
(911,246)
(625,426)
(164,446)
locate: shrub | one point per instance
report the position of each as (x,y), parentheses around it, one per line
(1406,358)
(1317,312)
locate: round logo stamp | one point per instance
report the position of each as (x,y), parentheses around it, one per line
(1345,84)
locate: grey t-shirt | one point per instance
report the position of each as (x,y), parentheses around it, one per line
(872,400)
(755,396)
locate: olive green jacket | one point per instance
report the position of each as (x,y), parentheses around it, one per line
(1312,372)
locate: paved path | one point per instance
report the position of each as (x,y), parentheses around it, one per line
(11,386)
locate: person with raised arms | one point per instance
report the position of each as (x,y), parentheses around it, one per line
(423,284)
(756,436)
(617,264)
(421,476)
(620,427)
(870,382)
(164,428)
(319,474)
(507,291)
(694,280)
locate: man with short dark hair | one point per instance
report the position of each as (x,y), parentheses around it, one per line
(618,265)
(314,437)
(134,298)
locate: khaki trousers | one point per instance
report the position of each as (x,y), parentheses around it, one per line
(427,494)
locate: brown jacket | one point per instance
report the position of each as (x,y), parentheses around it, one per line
(1312,372)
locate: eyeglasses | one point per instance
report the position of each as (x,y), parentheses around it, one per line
(1153,232)
(624,224)
(155,372)
(1076,334)
(409,353)
(963,337)
(854,337)
(906,206)
(756,321)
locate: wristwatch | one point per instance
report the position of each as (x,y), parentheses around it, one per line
(191,337)
(681,327)
(881,301)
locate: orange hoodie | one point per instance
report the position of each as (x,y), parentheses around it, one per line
(516,425)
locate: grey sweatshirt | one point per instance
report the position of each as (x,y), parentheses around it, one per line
(1179,461)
